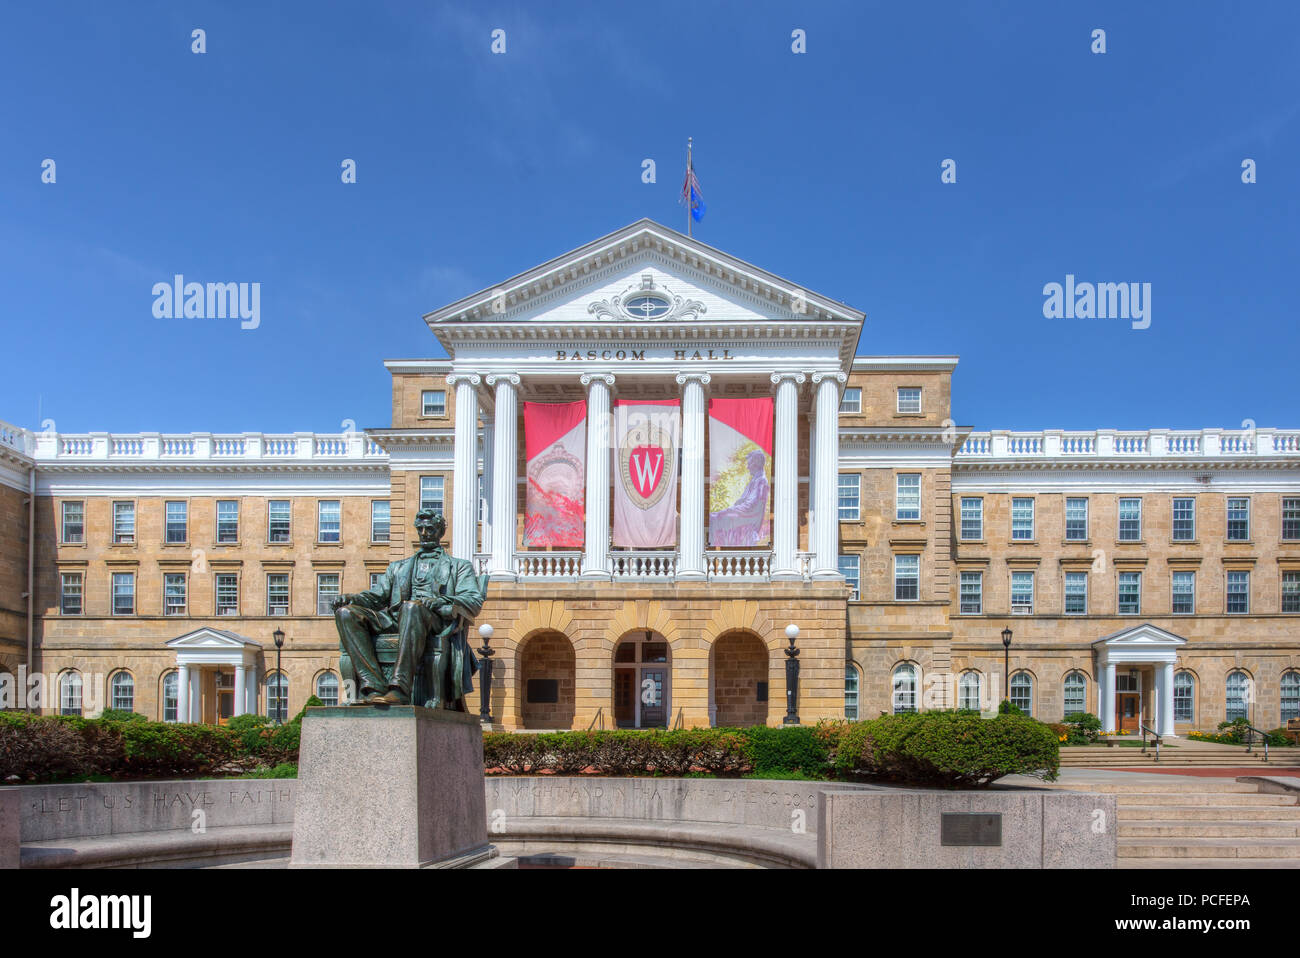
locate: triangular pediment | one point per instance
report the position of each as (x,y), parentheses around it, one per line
(207,638)
(1144,635)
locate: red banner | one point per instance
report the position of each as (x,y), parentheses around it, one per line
(740,471)
(555,443)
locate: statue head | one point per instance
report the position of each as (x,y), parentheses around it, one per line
(756,461)
(430,526)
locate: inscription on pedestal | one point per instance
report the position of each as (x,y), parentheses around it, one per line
(967,828)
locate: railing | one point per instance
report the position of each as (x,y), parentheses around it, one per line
(548,565)
(598,717)
(1251,732)
(643,564)
(722,564)
(199,447)
(1155,738)
(1113,443)
(482,562)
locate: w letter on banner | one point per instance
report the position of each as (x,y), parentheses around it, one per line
(740,458)
(646,448)
(555,443)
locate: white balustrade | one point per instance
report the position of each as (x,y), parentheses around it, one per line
(280,446)
(229,445)
(77,446)
(1078,444)
(1154,445)
(543,565)
(1024,445)
(643,564)
(735,564)
(975,446)
(1184,444)
(1128,444)
(481,560)
(332,445)
(127,446)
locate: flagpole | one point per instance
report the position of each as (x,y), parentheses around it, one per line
(688,186)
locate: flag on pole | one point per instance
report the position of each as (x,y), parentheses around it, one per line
(692,195)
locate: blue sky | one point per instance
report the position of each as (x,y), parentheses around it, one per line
(823,167)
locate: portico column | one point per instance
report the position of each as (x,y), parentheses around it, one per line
(785,476)
(489,456)
(1166,724)
(595,557)
(690,564)
(183,694)
(250,691)
(238,695)
(464,477)
(1108,698)
(505,452)
(826,564)
(196,696)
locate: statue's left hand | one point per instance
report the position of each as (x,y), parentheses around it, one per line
(445,610)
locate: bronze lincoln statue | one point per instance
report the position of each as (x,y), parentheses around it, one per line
(404,640)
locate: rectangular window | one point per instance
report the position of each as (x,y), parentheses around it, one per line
(70,590)
(433,402)
(178,522)
(277,593)
(278,512)
(907,496)
(972,593)
(1076,520)
(379,520)
(1076,594)
(123,522)
(1130,520)
(1022,519)
(1022,593)
(850,568)
(74,522)
(327,590)
(1291,591)
(375,579)
(850,495)
(431,492)
(909,399)
(1130,593)
(851,401)
(124,593)
(972,518)
(174,593)
(907,578)
(1239,520)
(1291,520)
(1184,529)
(1239,592)
(228,520)
(227,593)
(329,522)
(1184,593)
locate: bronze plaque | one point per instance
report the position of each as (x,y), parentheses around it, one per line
(967,828)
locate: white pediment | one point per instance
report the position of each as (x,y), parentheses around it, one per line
(1138,645)
(207,638)
(1140,635)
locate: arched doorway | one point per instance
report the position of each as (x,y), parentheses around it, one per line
(740,680)
(547,685)
(642,681)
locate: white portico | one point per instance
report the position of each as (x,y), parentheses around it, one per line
(217,675)
(1136,679)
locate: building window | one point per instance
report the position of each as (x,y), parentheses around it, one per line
(433,402)
(327,590)
(907,495)
(851,401)
(375,579)
(905,688)
(1238,592)
(1291,591)
(1022,593)
(1291,520)
(851,692)
(327,688)
(1239,520)
(277,520)
(850,495)
(1022,692)
(123,522)
(178,514)
(972,518)
(909,399)
(1184,520)
(277,697)
(1184,586)
(1237,697)
(1022,519)
(1184,694)
(227,593)
(850,568)
(174,593)
(1130,520)
(431,493)
(124,593)
(70,693)
(972,593)
(1290,696)
(228,520)
(74,522)
(907,578)
(171,699)
(1076,520)
(1076,593)
(379,511)
(329,523)
(968,691)
(121,695)
(277,593)
(1130,593)
(70,592)
(1076,694)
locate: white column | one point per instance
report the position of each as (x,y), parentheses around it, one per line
(1108,698)
(250,691)
(826,563)
(489,462)
(785,476)
(595,558)
(505,453)
(196,696)
(183,694)
(691,562)
(464,480)
(241,687)
(1166,723)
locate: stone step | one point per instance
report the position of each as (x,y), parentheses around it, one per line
(1175,785)
(1187,797)
(1202,813)
(1251,863)
(1176,848)
(1172,828)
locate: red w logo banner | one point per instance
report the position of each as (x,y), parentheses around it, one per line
(740,471)
(646,443)
(555,443)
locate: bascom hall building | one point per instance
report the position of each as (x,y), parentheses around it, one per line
(663,457)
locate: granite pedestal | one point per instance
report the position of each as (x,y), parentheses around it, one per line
(9,829)
(397,787)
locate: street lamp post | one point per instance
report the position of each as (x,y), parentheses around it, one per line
(278,635)
(791,677)
(1006,664)
(485,675)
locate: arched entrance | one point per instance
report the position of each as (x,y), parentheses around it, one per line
(642,681)
(547,682)
(740,680)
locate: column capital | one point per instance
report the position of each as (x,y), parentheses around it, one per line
(588,378)
(494,378)
(799,378)
(454,379)
(702,378)
(839,377)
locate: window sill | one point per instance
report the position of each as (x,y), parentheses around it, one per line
(1184,542)
(1022,542)
(1076,542)
(174,545)
(72,545)
(1130,542)
(225,545)
(329,544)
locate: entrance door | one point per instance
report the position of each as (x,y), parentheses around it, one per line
(225,696)
(642,682)
(1126,712)
(625,698)
(654,711)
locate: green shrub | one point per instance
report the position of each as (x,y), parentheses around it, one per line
(121,715)
(794,748)
(242,723)
(1005,707)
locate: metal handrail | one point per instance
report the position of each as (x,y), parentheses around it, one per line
(598,717)
(679,723)
(1250,741)
(1155,738)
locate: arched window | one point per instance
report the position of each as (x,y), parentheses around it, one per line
(851,691)
(171,699)
(327,688)
(905,688)
(1184,697)
(1076,694)
(277,697)
(968,691)
(1238,682)
(70,693)
(121,692)
(1022,692)
(1290,696)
